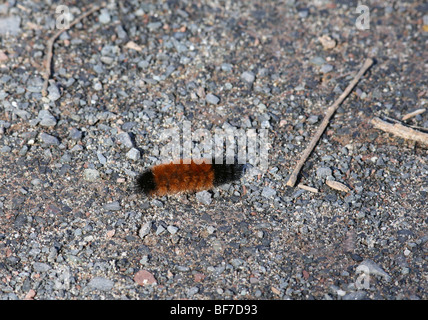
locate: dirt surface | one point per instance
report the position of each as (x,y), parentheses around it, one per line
(72,228)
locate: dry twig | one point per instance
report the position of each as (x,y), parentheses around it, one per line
(305,187)
(413,114)
(401,131)
(329,113)
(51,41)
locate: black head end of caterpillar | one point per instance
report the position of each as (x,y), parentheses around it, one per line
(226,173)
(145,182)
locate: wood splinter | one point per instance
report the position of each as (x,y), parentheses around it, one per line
(400,130)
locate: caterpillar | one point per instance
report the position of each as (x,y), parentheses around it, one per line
(186,176)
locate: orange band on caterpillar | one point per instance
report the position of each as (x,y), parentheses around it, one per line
(172,178)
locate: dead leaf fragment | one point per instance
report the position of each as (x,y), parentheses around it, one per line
(327,42)
(133,45)
(337,186)
(275,290)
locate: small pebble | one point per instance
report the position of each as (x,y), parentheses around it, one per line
(10,25)
(48,139)
(98,86)
(326,68)
(41,267)
(5,149)
(100,283)
(112,206)
(204,197)
(125,139)
(268,192)
(172,229)
(248,77)
(144,277)
(324,172)
(303,13)
(159,229)
(319,61)
(101,158)
(154,25)
(75,134)
(192,291)
(104,16)
(210,98)
(145,229)
(53,92)
(46,118)
(91,174)
(313,119)
(133,154)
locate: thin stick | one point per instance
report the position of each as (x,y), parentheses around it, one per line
(413,114)
(304,187)
(51,41)
(329,113)
(400,131)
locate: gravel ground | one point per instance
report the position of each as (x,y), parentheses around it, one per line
(70,225)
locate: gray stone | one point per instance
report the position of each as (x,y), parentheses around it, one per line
(101,158)
(313,119)
(98,86)
(326,68)
(357,295)
(75,134)
(133,154)
(48,139)
(236,262)
(104,16)
(5,149)
(172,229)
(46,118)
(145,229)
(248,77)
(324,172)
(192,291)
(204,197)
(303,13)
(91,174)
(121,33)
(107,60)
(154,25)
(66,158)
(143,64)
(319,61)
(125,140)
(101,283)
(227,67)
(23,114)
(112,206)
(268,192)
(53,92)
(41,267)
(159,229)
(10,25)
(210,98)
